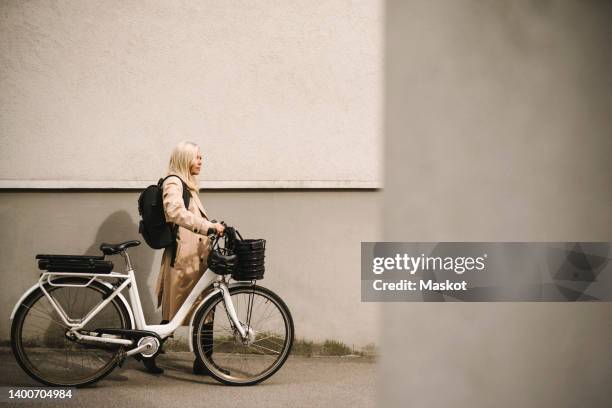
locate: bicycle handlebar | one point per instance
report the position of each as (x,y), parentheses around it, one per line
(212,232)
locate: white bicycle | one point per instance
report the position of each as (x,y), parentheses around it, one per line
(75,326)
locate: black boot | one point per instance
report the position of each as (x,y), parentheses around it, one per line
(149,363)
(207,344)
(199,368)
(198,365)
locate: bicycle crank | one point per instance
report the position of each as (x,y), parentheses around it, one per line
(148,343)
(147,347)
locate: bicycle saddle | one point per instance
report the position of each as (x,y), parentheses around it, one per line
(112,249)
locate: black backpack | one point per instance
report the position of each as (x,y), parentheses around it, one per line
(156,232)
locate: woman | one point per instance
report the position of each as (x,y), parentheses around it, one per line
(175,282)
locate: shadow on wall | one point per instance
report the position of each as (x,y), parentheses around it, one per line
(119,227)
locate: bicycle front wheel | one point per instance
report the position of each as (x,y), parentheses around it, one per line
(40,339)
(234,360)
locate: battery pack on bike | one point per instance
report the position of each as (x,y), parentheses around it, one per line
(74,263)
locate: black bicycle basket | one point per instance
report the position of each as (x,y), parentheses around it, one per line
(251,255)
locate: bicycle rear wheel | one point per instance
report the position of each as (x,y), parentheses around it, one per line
(232,360)
(47,354)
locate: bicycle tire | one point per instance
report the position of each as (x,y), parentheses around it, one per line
(25,356)
(214,309)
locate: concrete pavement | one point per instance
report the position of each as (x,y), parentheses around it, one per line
(302,382)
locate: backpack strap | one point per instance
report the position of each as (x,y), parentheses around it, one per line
(186,193)
(186,200)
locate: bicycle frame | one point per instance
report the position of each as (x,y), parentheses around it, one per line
(128,280)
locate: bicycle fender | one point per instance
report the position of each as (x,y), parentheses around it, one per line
(21,299)
(35,286)
(203,302)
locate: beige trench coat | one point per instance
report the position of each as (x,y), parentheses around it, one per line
(175,283)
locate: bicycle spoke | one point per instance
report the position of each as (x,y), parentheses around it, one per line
(218,344)
(266,338)
(264,348)
(48,316)
(267,314)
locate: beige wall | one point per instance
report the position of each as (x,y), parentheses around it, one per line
(94,90)
(498,129)
(312,258)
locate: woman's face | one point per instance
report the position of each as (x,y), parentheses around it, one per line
(196,165)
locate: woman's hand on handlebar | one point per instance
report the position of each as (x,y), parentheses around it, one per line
(220,228)
(217,229)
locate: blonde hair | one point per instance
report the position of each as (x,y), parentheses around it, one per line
(181,159)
